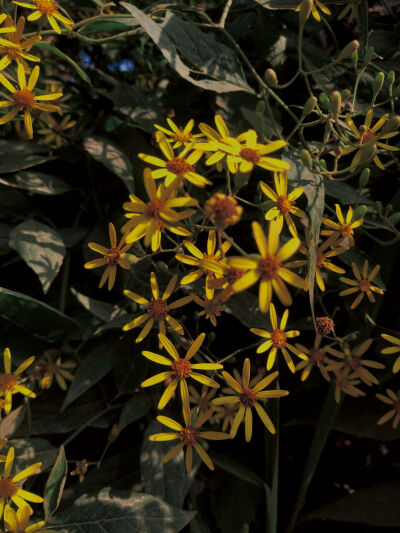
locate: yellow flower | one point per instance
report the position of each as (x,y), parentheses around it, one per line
(202,400)
(18,521)
(344,230)
(230,275)
(362,284)
(211,309)
(314,9)
(247,396)
(50,9)
(15,48)
(393,400)
(25,100)
(268,267)
(189,435)
(284,203)
(316,357)
(10,489)
(181,369)
(220,135)
(157,309)
(55,369)
(207,264)
(176,168)
(277,340)
(392,349)
(7,28)
(149,219)
(112,257)
(346,383)
(180,136)
(10,382)
(223,210)
(55,131)
(365,134)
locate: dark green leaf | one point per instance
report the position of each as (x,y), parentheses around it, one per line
(55,485)
(57,52)
(278,4)
(5,230)
(134,409)
(345,193)
(30,451)
(102,310)
(36,182)
(105,26)
(237,470)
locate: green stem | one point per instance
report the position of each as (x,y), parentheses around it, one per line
(64,283)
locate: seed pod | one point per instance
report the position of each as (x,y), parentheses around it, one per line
(306,158)
(309,106)
(270,77)
(335,103)
(364,178)
(392,124)
(348,50)
(377,84)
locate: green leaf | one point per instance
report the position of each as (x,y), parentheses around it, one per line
(105,26)
(36,182)
(55,485)
(30,451)
(5,230)
(102,310)
(346,194)
(19,155)
(237,470)
(57,52)
(107,153)
(244,307)
(278,4)
(177,38)
(116,511)
(10,424)
(134,409)
(41,247)
(38,318)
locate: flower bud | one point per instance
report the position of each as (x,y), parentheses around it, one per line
(378,206)
(323,98)
(369,54)
(393,219)
(270,77)
(348,50)
(211,336)
(377,84)
(346,93)
(359,212)
(335,103)
(309,106)
(162,267)
(364,178)
(390,78)
(392,124)
(322,164)
(306,159)
(354,59)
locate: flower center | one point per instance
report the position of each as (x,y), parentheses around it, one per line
(354,363)
(278,338)
(248,397)
(317,356)
(321,259)
(209,257)
(223,209)
(24,99)
(48,7)
(182,137)
(113,256)
(284,204)
(367,137)
(248,154)
(14,52)
(52,368)
(346,230)
(189,436)
(157,309)
(234,274)
(181,368)
(364,285)
(7,488)
(269,266)
(7,381)
(179,166)
(154,208)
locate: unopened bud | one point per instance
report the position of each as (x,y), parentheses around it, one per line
(393,219)
(346,93)
(324,99)
(322,164)
(335,103)
(325,325)
(359,212)
(211,336)
(162,267)
(270,77)
(391,125)
(390,78)
(348,50)
(348,106)
(378,206)
(354,59)
(338,151)
(364,178)
(377,84)
(367,153)
(306,158)
(368,56)
(309,106)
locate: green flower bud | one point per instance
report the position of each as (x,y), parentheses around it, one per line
(369,54)
(335,103)
(162,267)
(270,77)
(359,212)
(309,106)
(378,206)
(393,219)
(306,158)
(377,84)
(323,98)
(392,124)
(322,164)
(348,50)
(354,59)
(390,78)
(364,178)
(345,94)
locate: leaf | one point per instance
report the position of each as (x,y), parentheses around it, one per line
(55,485)
(38,318)
(30,451)
(41,247)
(11,422)
(19,155)
(278,4)
(375,506)
(102,310)
(97,364)
(237,470)
(107,153)
(114,511)
(345,193)
(244,307)
(175,37)
(57,52)
(36,182)
(5,230)
(134,409)
(105,26)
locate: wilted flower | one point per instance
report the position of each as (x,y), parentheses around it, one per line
(316,358)
(392,349)
(361,284)
(346,383)
(223,210)
(80,470)
(211,309)
(324,325)
(393,400)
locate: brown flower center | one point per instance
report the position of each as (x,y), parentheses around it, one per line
(157,309)
(325,325)
(7,382)
(154,208)
(248,154)
(7,488)
(182,137)
(181,368)
(24,99)
(278,338)
(179,166)
(234,274)
(113,256)
(189,436)
(48,7)
(367,137)
(209,257)
(269,266)
(284,204)
(248,397)
(364,285)
(346,230)
(52,368)
(317,356)
(223,209)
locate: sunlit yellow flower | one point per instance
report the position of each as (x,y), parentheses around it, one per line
(284,203)
(18,521)
(157,309)
(180,370)
(149,219)
(50,9)
(178,167)
(316,4)
(365,134)
(180,136)
(392,349)
(247,397)
(51,368)
(393,400)
(54,131)
(189,436)
(15,48)
(211,308)
(362,283)
(316,358)
(223,210)
(346,383)
(25,100)
(10,489)
(11,382)
(268,267)
(230,275)
(277,340)
(112,257)
(342,232)
(220,135)
(7,28)
(207,264)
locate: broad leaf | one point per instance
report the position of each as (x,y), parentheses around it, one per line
(102,310)
(59,53)
(134,409)
(36,182)
(278,4)
(55,485)
(30,451)
(237,470)
(19,155)
(5,230)
(11,422)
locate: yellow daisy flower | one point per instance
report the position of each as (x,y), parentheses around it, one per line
(346,383)
(149,219)
(157,309)
(7,28)
(268,267)
(15,48)
(393,400)
(316,358)
(51,368)
(316,4)
(180,136)
(365,134)
(392,349)
(230,275)
(211,309)
(25,100)
(247,397)
(223,210)
(284,203)
(207,264)
(178,167)
(362,283)
(49,9)
(220,135)
(54,132)
(18,521)
(10,489)
(342,232)
(11,382)
(189,435)
(181,370)
(112,257)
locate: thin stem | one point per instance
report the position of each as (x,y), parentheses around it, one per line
(225,13)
